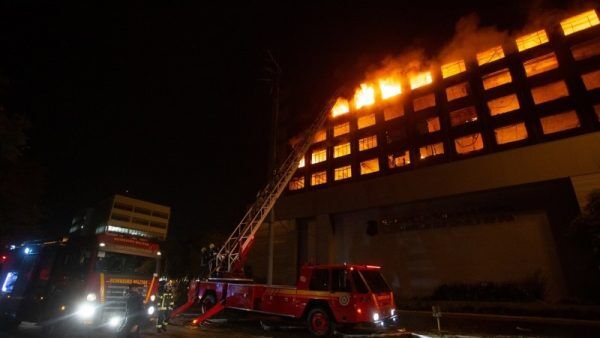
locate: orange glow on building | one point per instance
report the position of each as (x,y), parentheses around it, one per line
(579,22)
(420,80)
(340,107)
(531,40)
(389,87)
(453,68)
(364,96)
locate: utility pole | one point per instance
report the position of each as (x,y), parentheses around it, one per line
(276,76)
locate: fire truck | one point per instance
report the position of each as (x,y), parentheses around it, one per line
(324,296)
(77,284)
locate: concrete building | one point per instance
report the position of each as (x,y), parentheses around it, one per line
(473,173)
(125,215)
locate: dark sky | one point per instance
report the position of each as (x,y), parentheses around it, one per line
(166,101)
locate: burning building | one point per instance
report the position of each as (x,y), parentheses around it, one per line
(464,171)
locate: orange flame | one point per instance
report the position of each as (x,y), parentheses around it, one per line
(364,96)
(389,87)
(340,107)
(420,80)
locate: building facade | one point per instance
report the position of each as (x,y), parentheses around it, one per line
(124,215)
(471,172)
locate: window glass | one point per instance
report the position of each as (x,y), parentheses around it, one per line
(341,150)
(579,22)
(318,156)
(395,135)
(318,178)
(369,166)
(113,262)
(302,163)
(392,112)
(549,92)
(319,281)
(399,160)
(367,143)
(120,217)
(359,284)
(340,280)
(340,107)
(591,80)
(490,55)
(586,49)
(540,64)
(420,80)
(320,136)
(463,115)
(503,104)
(431,150)
(511,133)
(560,122)
(531,40)
(366,121)
(341,129)
(453,68)
(457,91)
(496,79)
(429,125)
(342,173)
(375,281)
(469,143)
(424,102)
(297,183)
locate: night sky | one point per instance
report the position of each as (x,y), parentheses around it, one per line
(167,102)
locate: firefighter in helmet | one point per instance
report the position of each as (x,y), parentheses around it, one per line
(165,305)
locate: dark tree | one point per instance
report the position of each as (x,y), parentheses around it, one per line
(21,178)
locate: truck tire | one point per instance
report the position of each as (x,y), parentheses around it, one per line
(208,302)
(319,321)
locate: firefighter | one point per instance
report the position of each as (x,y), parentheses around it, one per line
(134,312)
(165,305)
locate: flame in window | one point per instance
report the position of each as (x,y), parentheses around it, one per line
(364,96)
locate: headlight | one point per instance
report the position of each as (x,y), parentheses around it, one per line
(375,316)
(114,321)
(91,297)
(86,311)
(152,298)
(150,310)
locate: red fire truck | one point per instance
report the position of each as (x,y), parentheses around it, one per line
(77,284)
(325,295)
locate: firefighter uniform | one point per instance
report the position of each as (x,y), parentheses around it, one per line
(165,305)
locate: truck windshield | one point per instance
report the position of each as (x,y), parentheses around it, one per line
(375,281)
(119,263)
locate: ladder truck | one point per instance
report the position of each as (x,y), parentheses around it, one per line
(324,296)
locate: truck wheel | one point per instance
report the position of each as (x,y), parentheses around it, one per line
(208,302)
(319,322)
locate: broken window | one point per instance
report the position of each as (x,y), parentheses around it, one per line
(490,55)
(579,22)
(429,125)
(367,143)
(341,150)
(318,178)
(549,92)
(320,136)
(395,135)
(341,129)
(531,40)
(393,112)
(399,160)
(431,150)
(540,64)
(463,115)
(469,143)
(503,104)
(369,166)
(342,173)
(591,80)
(511,133)
(559,122)
(302,163)
(423,102)
(420,80)
(457,91)
(318,156)
(496,79)
(453,68)
(587,49)
(366,121)
(297,183)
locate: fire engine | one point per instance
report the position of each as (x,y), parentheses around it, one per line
(77,284)
(324,296)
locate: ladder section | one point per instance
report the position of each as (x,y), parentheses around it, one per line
(232,254)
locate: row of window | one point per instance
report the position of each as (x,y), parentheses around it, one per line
(140,210)
(463,145)
(390,86)
(137,220)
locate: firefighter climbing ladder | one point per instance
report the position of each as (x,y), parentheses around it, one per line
(232,254)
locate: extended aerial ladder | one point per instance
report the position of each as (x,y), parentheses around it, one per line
(229,261)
